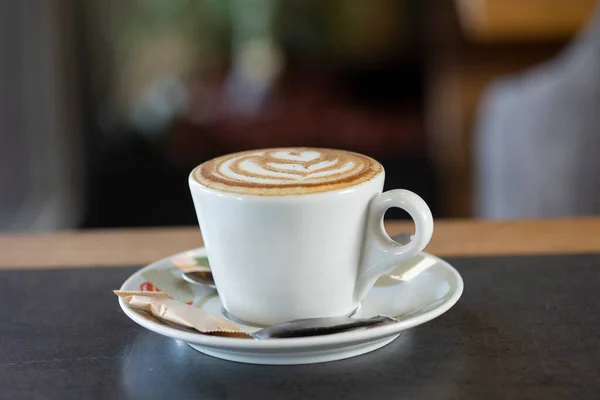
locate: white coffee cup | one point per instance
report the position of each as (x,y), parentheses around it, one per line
(299,253)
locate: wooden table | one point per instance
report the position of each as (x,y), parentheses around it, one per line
(142,246)
(526,326)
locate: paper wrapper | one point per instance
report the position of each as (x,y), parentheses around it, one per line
(173,286)
(187,262)
(161,306)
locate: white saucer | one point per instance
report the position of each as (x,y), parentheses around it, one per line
(421,299)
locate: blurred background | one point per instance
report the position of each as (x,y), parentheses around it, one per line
(486,108)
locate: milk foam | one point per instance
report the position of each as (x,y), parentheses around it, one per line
(286,171)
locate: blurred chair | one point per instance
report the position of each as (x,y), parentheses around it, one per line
(40,154)
(537,140)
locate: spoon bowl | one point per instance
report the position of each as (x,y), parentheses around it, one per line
(204,278)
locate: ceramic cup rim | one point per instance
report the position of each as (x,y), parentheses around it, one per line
(194,182)
(279,197)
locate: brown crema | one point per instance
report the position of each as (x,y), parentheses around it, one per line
(286,171)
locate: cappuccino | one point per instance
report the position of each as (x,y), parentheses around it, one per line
(286,171)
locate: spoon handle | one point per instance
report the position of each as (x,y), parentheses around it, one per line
(319,326)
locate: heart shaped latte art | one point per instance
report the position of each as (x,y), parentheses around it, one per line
(290,155)
(286,171)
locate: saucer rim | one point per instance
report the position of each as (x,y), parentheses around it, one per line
(325,341)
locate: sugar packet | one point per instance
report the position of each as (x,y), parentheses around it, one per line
(162,307)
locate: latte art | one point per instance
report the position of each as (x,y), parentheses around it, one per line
(286,171)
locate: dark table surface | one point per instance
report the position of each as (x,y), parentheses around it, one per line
(525,328)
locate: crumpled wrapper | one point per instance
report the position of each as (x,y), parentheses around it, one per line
(162,307)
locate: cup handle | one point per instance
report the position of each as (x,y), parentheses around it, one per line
(380,253)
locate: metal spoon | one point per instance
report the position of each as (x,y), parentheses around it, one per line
(319,326)
(306,327)
(205,278)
